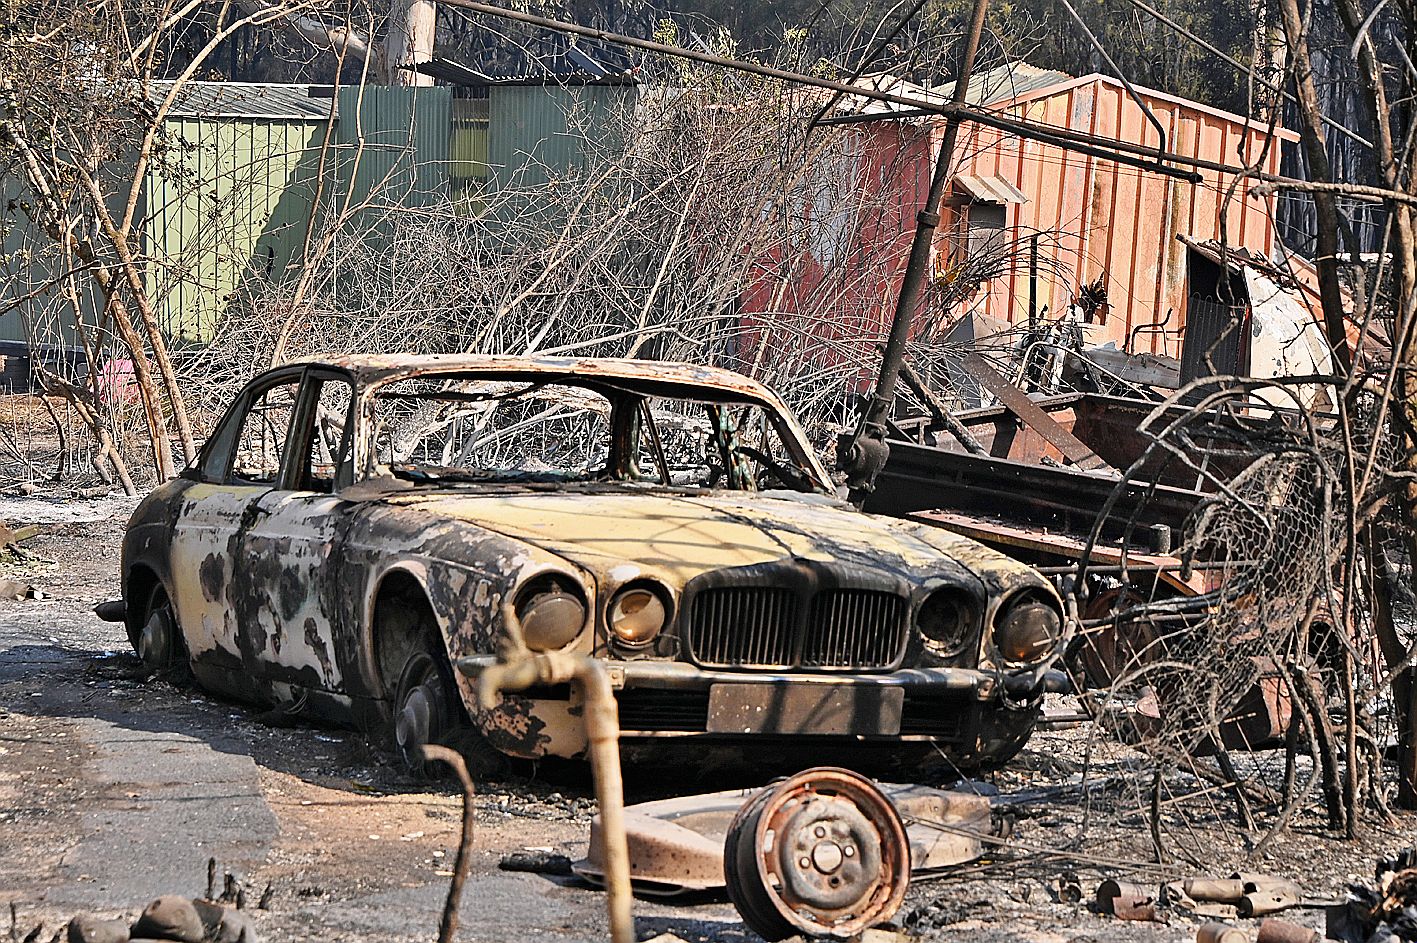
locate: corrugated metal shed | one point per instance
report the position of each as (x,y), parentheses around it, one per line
(235,210)
(1115,222)
(231,204)
(1099,219)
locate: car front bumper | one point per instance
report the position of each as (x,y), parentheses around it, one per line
(970,712)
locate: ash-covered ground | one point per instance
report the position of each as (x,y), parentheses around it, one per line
(116,787)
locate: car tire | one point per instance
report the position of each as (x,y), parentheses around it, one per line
(425,710)
(158,639)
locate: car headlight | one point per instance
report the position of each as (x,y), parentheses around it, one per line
(637,614)
(1027,630)
(946,620)
(552,613)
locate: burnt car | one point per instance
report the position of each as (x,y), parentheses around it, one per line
(357,534)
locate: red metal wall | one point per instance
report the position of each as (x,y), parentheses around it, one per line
(1121,222)
(826,286)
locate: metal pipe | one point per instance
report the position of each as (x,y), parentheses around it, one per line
(1105,151)
(866,452)
(880,116)
(448,929)
(1105,148)
(1033,283)
(940,412)
(1142,392)
(602,725)
(1063,569)
(1069,139)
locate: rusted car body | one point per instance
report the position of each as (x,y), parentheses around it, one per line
(330,554)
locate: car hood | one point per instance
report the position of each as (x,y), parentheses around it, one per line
(679,536)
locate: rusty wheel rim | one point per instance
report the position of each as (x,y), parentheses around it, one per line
(1110,652)
(822,853)
(421,712)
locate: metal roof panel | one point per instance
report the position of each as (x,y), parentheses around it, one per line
(990,189)
(1004,82)
(247,100)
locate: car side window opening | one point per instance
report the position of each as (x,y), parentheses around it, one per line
(260,444)
(735,446)
(651,463)
(329,457)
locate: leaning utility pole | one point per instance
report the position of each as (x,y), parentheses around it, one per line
(862,454)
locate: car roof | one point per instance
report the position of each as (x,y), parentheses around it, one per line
(376,369)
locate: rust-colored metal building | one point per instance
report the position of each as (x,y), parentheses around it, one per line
(1100,219)
(1096,220)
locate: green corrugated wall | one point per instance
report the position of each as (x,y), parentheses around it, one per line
(538,131)
(235,204)
(233,209)
(30,267)
(393,145)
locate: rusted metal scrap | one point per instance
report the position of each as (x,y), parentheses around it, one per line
(170,917)
(1216,932)
(1073,449)
(823,854)
(1283,931)
(676,845)
(1241,894)
(1265,894)
(1128,901)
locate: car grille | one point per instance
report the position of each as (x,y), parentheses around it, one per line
(652,709)
(934,716)
(853,629)
(760,627)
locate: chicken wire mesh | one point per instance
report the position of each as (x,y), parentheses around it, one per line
(1227,667)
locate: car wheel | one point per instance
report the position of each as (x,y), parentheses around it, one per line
(158,641)
(425,711)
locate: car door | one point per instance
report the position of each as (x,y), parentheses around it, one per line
(289,556)
(243,464)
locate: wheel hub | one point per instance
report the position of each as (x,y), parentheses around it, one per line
(812,841)
(417,724)
(823,854)
(155,640)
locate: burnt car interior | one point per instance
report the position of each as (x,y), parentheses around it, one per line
(311,408)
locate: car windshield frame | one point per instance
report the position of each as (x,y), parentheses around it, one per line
(622,392)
